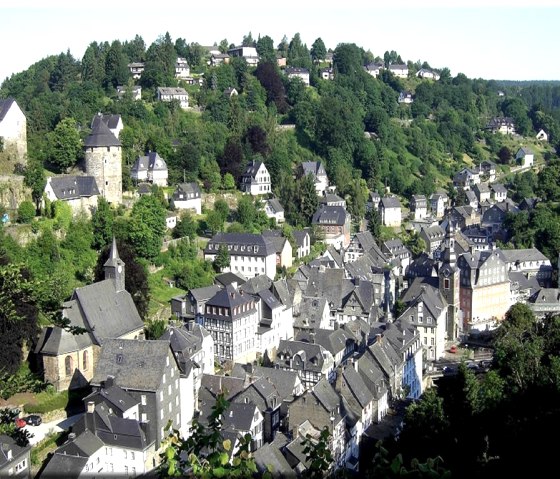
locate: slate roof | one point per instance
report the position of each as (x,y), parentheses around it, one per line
(8,444)
(310,312)
(330,215)
(333,341)
(282,291)
(328,397)
(204,293)
(229,297)
(184,343)
(329,284)
(299,236)
(113,317)
(274,205)
(372,375)
(365,240)
(135,364)
(390,202)
(312,167)
(224,279)
(546,295)
(269,458)
(64,465)
(357,387)
(115,396)
(312,355)
(150,162)
(521,255)
(498,188)
(112,121)
(435,232)
(5,105)
(296,71)
(252,169)
(269,299)
(100,136)
(186,188)
(248,244)
(423,266)
(54,340)
(284,381)
(172,91)
(216,384)
(72,187)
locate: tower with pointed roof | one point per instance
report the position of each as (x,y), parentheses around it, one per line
(103,160)
(114,267)
(449,281)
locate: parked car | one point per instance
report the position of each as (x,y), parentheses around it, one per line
(33,420)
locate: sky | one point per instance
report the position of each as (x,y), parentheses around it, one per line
(490,39)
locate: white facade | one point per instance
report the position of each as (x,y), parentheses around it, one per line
(182,69)
(13,129)
(169,94)
(400,71)
(256,180)
(391,217)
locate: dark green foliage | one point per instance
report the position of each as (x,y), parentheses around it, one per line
(318,50)
(35,179)
(205,453)
(102,224)
(8,427)
(26,212)
(147,227)
(186,227)
(268,76)
(222,259)
(155,328)
(65,144)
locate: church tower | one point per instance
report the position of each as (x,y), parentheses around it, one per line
(114,267)
(449,282)
(103,157)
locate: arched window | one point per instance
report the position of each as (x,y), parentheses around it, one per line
(68,365)
(85,360)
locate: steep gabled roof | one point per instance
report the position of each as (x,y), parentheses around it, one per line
(101,136)
(135,364)
(5,106)
(70,187)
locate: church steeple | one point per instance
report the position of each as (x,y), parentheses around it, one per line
(114,267)
(449,281)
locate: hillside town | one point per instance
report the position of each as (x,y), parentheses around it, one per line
(326,327)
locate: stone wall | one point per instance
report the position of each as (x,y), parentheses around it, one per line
(13,191)
(105,164)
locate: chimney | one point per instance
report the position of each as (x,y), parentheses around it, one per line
(90,406)
(110,381)
(189,324)
(355,365)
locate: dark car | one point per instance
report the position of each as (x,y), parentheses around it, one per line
(33,420)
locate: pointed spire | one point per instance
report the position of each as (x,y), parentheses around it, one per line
(113,254)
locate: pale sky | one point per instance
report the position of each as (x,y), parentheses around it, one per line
(490,39)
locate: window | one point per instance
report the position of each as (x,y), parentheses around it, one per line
(85,360)
(143,399)
(68,365)
(446,283)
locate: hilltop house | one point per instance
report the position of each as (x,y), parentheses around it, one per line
(80,192)
(438,201)
(297,72)
(503,125)
(105,310)
(399,70)
(136,69)
(406,97)
(426,73)
(374,69)
(134,90)
(525,157)
(182,69)
(248,53)
(168,94)
(151,168)
(256,179)
(317,171)
(187,196)
(274,209)
(13,130)
(303,243)
(542,135)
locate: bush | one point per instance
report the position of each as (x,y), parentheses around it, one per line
(26,212)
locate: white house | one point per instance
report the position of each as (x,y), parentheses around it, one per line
(187,196)
(256,179)
(317,171)
(327,73)
(80,192)
(297,72)
(303,242)
(13,129)
(525,157)
(170,220)
(136,69)
(374,69)
(503,125)
(182,69)
(250,254)
(399,70)
(438,201)
(135,91)
(151,168)
(419,204)
(390,208)
(426,73)
(499,192)
(169,94)
(542,135)
(248,53)
(405,97)
(274,209)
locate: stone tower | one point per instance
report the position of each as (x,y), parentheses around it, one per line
(103,155)
(449,282)
(114,267)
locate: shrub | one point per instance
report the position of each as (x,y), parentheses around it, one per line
(26,212)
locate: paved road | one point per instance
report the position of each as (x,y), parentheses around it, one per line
(41,431)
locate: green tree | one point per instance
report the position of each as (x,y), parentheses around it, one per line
(26,212)
(65,144)
(102,224)
(222,259)
(205,454)
(265,49)
(116,66)
(222,208)
(35,179)
(228,182)
(306,198)
(214,221)
(155,328)
(318,50)
(374,222)
(186,227)
(147,227)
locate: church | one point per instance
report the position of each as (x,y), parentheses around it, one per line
(105,310)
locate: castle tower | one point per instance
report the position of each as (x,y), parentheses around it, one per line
(103,155)
(449,282)
(114,267)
